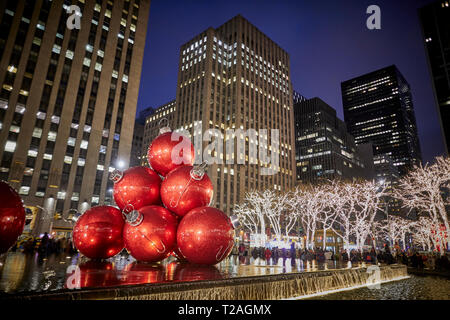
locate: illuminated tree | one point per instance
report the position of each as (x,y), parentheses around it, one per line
(426,189)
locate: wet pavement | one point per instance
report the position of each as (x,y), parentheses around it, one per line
(34,273)
(413,288)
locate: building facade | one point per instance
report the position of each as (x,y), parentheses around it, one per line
(378,109)
(68,98)
(235,78)
(161,116)
(324,149)
(435,19)
(136,148)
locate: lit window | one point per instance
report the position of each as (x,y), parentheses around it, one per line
(20,109)
(56,49)
(10,146)
(98,66)
(32,153)
(69,54)
(125,78)
(87,62)
(12,69)
(103,149)
(81,162)
(71,141)
(100,167)
(51,136)
(100,53)
(14,129)
(24,190)
(68,159)
(84,144)
(48,156)
(89,48)
(61,195)
(95,199)
(37,132)
(55,119)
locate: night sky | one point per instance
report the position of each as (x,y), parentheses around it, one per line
(328,42)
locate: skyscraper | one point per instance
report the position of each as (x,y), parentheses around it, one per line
(235,77)
(378,108)
(324,149)
(68,97)
(435,19)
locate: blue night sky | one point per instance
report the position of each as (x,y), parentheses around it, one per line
(328,42)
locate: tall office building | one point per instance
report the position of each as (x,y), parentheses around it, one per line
(154,122)
(378,108)
(435,19)
(324,149)
(68,98)
(235,77)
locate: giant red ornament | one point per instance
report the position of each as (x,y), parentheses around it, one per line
(98,232)
(12,216)
(137,187)
(186,188)
(150,233)
(170,150)
(205,236)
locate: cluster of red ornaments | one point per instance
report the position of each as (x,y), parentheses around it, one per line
(163,211)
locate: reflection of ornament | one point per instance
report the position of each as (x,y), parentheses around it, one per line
(98,232)
(164,155)
(195,272)
(150,233)
(12,216)
(97,274)
(137,186)
(141,273)
(205,236)
(186,188)
(177,254)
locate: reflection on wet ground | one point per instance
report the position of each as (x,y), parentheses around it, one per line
(34,273)
(413,288)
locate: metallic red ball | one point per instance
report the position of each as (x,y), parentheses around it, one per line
(181,193)
(205,236)
(138,187)
(12,216)
(98,232)
(164,155)
(154,236)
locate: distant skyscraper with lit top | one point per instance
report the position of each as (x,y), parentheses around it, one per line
(378,108)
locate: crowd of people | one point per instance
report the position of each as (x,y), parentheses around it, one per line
(411,258)
(45,245)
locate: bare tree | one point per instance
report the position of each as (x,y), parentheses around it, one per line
(426,189)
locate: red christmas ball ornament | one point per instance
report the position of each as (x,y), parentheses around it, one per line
(186,188)
(205,235)
(150,233)
(169,151)
(137,186)
(12,216)
(98,232)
